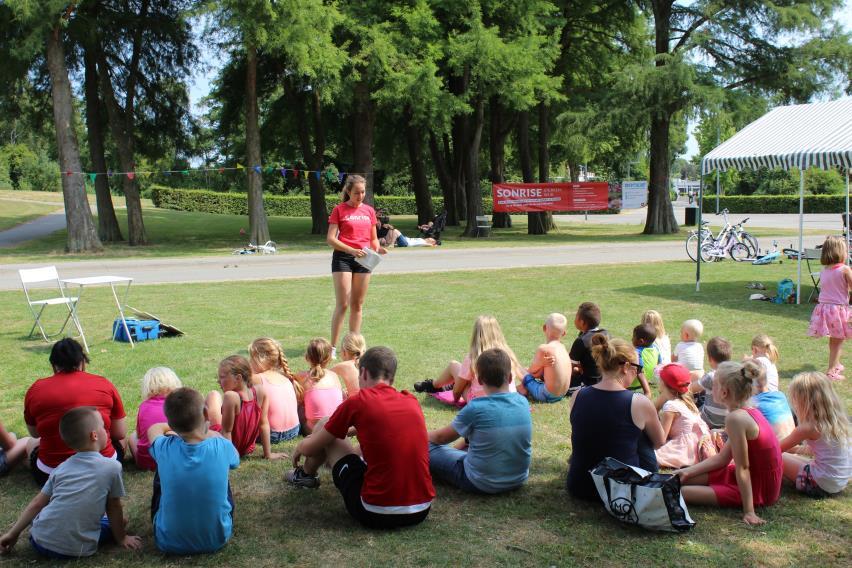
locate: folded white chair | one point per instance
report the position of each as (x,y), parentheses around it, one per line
(48,274)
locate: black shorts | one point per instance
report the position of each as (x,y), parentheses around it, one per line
(348,475)
(345,262)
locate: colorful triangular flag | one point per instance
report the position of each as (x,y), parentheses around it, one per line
(92,177)
(257,169)
(340,177)
(283,172)
(221,170)
(131,175)
(240,166)
(317,175)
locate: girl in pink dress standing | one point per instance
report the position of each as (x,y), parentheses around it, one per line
(831,316)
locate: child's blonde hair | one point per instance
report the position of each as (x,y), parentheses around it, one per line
(266,354)
(765,344)
(693,328)
(237,366)
(834,251)
(655,320)
(354,344)
(738,378)
(488,335)
(318,356)
(814,400)
(557,321)
(686,397)
(159,381)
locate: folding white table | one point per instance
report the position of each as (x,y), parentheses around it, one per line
(111,281)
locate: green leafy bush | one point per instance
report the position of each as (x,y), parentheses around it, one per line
(29,170)
(777,203)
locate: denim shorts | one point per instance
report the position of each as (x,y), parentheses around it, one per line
(278,437)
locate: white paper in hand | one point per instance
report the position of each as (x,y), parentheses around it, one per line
(370,260)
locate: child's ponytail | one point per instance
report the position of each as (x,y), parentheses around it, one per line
(765,344)
(318,356)
(739,378)
(237,366)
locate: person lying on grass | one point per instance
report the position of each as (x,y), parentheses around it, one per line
(390,486)
(549,375)
(498,428)
(67,515)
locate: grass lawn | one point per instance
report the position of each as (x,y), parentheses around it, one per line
(13,213)
(427,319)
(178,233)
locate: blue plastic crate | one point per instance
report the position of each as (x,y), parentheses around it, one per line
(140,330)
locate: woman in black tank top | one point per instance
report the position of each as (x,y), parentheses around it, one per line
(607,419)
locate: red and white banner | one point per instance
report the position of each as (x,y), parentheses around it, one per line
(564,196)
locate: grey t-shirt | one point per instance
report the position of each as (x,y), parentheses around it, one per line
(712,412)
(78,491)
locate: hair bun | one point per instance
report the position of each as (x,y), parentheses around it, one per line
(600,339)
(751,370)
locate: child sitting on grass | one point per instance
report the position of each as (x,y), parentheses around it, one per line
(270,369)
(499,430)
(713,412)
(156,386)
(549,375)
(12,450)
(824,426)
(241,415)
(67,515)
(689,352)
(587,321)
(763,351)
(754,477)
(649,356)
(773,405)
(321,386)
(487,334)
(191,508)
(662,342)
(684,429)
(351,349)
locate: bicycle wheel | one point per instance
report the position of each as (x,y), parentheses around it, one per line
(751,241)
(709,252)
(740,252)
(692,247)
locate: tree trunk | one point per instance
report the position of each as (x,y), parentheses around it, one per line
(363,125)
(660,219)
(471,168)
(124,143)
(313,158)
(439,159)
(422,199)
(460,134)
(497,154)
(540,223)
(108,229)
(81,233)
(258,223)
(524,154)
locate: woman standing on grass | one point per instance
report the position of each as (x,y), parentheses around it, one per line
(351,229)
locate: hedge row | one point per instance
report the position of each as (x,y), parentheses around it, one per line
(775,203)
(205,201)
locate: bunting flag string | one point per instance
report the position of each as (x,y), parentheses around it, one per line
(327,174)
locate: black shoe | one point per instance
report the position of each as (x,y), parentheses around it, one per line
(299,478)
(425,386)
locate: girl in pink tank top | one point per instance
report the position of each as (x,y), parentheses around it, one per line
(830,317)
(322,391)
(751,445)
(271,370)
(241,414)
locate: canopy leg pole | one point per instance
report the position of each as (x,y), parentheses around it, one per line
(801,235)
(718,191)
(848,228)
(698,250)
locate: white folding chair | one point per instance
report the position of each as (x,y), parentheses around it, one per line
(49,274)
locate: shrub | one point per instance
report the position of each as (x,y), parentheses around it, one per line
(29,170)
(776,203)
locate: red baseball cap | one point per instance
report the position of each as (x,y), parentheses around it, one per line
(676,377)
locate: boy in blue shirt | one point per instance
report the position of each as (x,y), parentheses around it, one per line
(499,431)
(192,507)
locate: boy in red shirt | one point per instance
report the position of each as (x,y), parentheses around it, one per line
(391,485)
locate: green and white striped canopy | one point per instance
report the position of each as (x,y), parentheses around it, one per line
(797,136)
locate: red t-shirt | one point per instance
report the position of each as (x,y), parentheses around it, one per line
(47,400)
(395,444)
(354,224)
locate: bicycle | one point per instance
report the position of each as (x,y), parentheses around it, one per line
(732,240)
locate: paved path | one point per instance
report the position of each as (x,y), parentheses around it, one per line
(233,268)
(37,228)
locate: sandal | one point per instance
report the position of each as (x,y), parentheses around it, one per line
(755,286)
